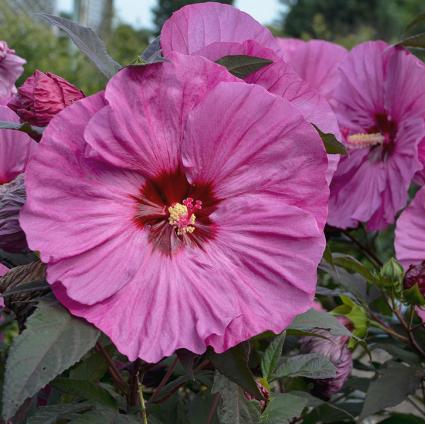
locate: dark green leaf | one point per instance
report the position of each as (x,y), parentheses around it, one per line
(27,288)
(403,419)
(391,388)
(53,341)
(234,365)
(332,145)
(415,41)
(417,20)
(414,296)
(315,319)
(187,359)
(199,410)
(271,356)
(327,256)
(53,413)
(105,416)
(352,264)
(282,408)
(84,390)
(235,408)
(241,66)
(310,365)
(397,352)
(92,368)
(88,42)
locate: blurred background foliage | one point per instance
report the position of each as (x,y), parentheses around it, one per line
(347,22)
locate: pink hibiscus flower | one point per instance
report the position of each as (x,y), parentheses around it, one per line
(315,61)
(184,209)
(215,30)
(15,148)
(11,68)
(380,108)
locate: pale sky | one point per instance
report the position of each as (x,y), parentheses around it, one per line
(138,12)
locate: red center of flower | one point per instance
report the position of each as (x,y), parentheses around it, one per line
(380,138)
(175,212)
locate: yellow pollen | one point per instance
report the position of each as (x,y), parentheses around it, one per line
(180,219)
(358,141)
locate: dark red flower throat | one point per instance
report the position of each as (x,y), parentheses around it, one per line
(175,212)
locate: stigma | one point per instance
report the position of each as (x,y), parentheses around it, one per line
(182,215)
(362,140)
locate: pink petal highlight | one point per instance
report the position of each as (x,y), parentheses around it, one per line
(195,26)
(271,150)
(315,61)
(139,143)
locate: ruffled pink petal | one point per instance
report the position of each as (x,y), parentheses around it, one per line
(281,79)
(171,303)
(195,26)
(208,291)
(280,243)
(410,232)
(15,148)
(85,202)
(404,84)
(261,143)
(315,61)
(143,131)
(367,190)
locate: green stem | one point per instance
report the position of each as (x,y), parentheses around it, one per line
(143,412)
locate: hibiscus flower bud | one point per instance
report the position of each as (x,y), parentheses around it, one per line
(415,275)
(12,198)
(42,96)
(336,350)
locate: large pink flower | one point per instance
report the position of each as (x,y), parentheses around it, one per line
(11,68)
(183,209)
(380,108)
(15,148)
(315,61)
(215,30)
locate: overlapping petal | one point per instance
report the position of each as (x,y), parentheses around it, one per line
(195,26)
(249,259)
(267,147)
(144,131)
(85,202)
(315,61)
